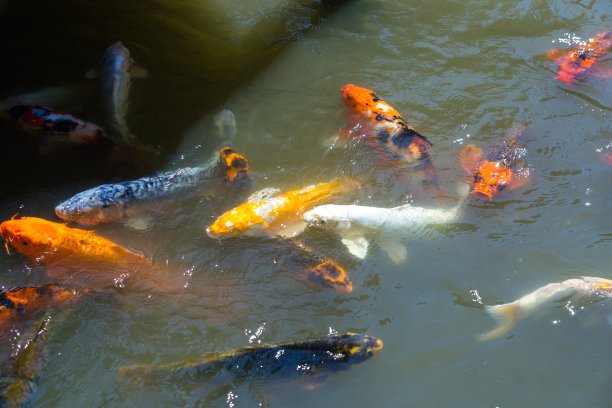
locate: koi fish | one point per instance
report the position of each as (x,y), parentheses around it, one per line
(322,271)
(353,221)
(56,245)
(314,358)
(116,75)
(19,301)
(111,202)
(279,215)
(392,132)
(17,389)
(581,60)
(63,127)
(499,170)
(508,315)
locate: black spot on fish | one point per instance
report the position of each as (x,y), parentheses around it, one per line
(374,97)
(65,126)
(379,117)
(404,138)
(25,243)
(382,136)
(6,302)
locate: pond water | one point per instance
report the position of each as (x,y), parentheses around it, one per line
(459,71)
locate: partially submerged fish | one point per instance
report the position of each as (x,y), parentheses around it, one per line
(56,245)
(508,315)
(353,221)
(498,171)
(116,77)
(313,358)
(582,59)
(111,202)
(322,271)
(386,124)
(16,390)
(61,127)
(22,301)
(279,215)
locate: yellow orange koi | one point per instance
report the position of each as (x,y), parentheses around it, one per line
(279,215)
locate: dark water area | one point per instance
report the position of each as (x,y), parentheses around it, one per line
(460,72)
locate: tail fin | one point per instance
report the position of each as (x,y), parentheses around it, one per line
(600,283)
(225,124)
(505,315)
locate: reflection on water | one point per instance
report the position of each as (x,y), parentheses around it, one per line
(459,72)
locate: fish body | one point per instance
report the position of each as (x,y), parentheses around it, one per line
(116,80)
(582,59)
(352,222)
(110,202)
(278,215)
(508,314)
(21,301)
(498,171)
(70,128)
(17,389)
(55,244)
(385,122)
(315,357)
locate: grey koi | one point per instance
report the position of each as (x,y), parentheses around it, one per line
(109,202)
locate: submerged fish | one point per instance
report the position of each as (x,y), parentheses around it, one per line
(582,59)
(322,271)
(508,314)
(21,301)
(56,245)
(111,202)
(353,221)
(381,119)
(279,215)
(62,127)
(116,77)
(16,390)
(499,170)
(313,358)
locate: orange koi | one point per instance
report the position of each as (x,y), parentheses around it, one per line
(19,301)
(279,215)
(55,244)
(581,59)
(390,129)
(498,171)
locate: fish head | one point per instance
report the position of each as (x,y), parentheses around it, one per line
(329,273)
(358,99)
(32,237)
(352,347)
(491,179)
(94,206)
(327,216)
(238,221)
(235,166)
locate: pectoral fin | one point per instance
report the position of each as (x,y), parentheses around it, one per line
(357,246)
(471,156)
(263,194)
(396,251)
(555,54)
(291,231)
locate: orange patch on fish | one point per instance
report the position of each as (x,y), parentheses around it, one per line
(235,165)
(24,300)
(581,59)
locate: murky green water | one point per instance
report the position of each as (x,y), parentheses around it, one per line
(459,71)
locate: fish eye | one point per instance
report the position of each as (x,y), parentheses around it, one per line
(323,221)
(25,243)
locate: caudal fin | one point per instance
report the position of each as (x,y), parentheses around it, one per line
(505,315)
(225,124)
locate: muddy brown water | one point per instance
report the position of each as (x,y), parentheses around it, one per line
(459,71)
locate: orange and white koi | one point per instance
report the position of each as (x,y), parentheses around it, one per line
(581,60)
(279,215)
(497,171)
(24,300)
(508,314)
(385,122)
(55,244)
